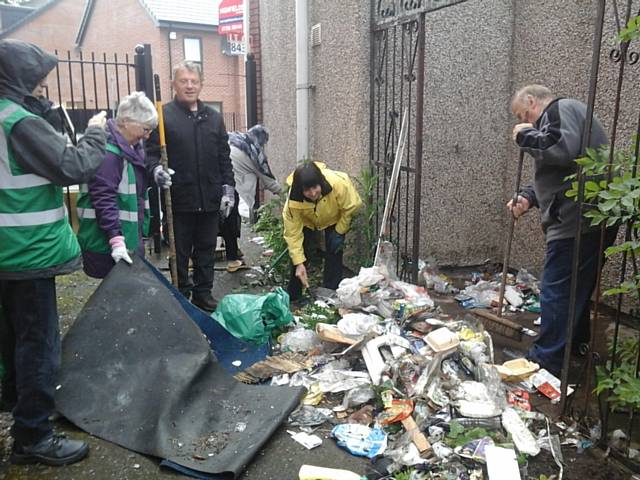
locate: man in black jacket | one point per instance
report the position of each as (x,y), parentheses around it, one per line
(202,186)
(550,130)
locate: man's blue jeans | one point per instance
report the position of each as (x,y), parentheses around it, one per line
(548,348)
(29,307)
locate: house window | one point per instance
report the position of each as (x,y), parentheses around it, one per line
(217,106)
(193,50)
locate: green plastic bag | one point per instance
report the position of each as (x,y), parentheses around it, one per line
(252,317)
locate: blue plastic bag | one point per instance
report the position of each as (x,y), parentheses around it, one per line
(360,440)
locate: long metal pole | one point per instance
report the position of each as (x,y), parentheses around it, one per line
(393,186)
(417,192)
(577,244)
(512,226)
(164,160)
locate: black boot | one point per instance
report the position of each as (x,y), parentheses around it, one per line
(55,450)
(205,302)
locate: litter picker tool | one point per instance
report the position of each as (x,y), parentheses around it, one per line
(393,184)
(507,253)
(164,161)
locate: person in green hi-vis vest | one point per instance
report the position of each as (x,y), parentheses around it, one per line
(37,245)
(113,207)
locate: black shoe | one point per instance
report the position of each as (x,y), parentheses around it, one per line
(55,450)
(207,303)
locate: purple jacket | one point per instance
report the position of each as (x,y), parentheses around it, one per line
(103,188)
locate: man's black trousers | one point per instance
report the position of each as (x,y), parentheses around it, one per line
(196,235)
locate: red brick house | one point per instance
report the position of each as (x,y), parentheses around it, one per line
(175,31)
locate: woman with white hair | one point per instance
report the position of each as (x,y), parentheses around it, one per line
(111,208)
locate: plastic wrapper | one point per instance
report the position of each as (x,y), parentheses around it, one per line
(360,440)
(490,378)
(349,293)
(386,260)
(436,434)
(314,395)
(356,396)
(396,412)
(404,452)
(357,324)
(308,416)
(522,437)
(415,294)
(473,399)
(527,279)
(475,449)
(300,340)
(334,381)
(441,450)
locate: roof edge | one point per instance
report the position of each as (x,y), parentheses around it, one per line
(187,26)
(149,12)
(28,18)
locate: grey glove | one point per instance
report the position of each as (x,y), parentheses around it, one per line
(162,177)
(228,200)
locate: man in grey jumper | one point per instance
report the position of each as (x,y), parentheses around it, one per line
(550,130)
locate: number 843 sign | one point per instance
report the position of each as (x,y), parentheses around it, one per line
(235,45)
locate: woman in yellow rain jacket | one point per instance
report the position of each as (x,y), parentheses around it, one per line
(319,199)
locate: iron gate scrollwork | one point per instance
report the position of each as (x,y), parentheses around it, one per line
(394,87)
(397,86)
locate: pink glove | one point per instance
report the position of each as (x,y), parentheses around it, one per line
(119,250)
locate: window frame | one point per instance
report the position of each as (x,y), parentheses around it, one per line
(184,50)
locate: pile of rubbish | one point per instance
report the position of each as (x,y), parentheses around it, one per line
(521,292)
(397,381)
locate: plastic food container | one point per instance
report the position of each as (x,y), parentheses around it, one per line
(442,340)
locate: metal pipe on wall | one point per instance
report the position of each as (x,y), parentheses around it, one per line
(302,80)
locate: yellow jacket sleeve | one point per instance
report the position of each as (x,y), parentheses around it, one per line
(349,201)
(293,234)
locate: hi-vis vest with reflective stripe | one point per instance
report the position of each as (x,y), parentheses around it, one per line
(90,236)
(34,229)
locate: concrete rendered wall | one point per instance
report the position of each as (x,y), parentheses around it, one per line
(277,25)
(467,78)
(477,54)
(339,72)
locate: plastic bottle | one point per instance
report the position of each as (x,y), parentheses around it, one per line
(309,472)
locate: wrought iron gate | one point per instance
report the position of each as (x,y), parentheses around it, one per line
(397,87)
(611,89)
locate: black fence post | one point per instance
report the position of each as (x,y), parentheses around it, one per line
(144,83)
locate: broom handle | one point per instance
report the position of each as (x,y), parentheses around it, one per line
(164,161)
(507,253)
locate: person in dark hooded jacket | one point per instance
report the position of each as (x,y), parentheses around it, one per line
(37,245)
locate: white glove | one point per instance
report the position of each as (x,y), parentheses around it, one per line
(119,250)
(162,177)
(98,120)
(228,200)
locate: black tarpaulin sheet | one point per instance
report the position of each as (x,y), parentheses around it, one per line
(138,371)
